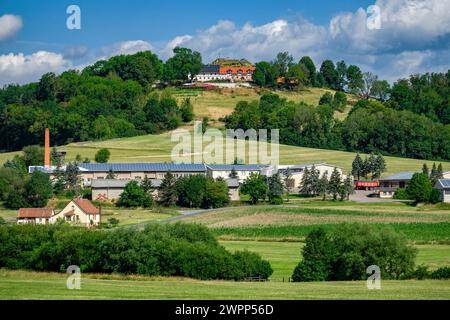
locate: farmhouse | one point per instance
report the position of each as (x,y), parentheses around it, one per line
(226,70)
(389,185)
(79,211)
(35,215)
(443,185)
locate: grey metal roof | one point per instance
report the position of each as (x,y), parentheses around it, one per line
(116,183)
(210,69)
(400,176)
(443,183)
(155,167)
(237,167)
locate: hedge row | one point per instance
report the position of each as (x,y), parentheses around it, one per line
(159,250)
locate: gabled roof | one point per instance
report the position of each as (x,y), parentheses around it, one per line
(443,183)
(155,167)
(35,213)
(86,206)
(400,176)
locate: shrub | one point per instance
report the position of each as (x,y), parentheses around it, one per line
(346,252)
(102,156)
(401,194)
(251,265)
(441,273)
(317,258)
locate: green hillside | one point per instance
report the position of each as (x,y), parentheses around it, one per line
(157,148)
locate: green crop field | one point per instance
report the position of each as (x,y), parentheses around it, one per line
(31,285)
(294,221)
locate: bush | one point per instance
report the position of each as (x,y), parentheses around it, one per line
(159,250)
(346,252)
(441,273)
(401,194)
(102,156)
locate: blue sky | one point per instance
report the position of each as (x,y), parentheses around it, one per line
(35,37)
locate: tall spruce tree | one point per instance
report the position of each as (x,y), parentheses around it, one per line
(275,189)
(323,186)
(334,183)
(305,185)
(314,180)
(425,169)
(358,167)
(167,190)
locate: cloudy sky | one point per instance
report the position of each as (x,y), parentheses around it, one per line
(412,36)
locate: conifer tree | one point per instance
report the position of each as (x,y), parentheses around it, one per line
(334,183)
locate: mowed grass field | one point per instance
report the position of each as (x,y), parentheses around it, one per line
(219,103)
(52,286)
(158,148)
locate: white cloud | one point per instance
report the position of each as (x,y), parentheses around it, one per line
(20,68)
(405,25)
(9,26)
(125,47)
(255,42)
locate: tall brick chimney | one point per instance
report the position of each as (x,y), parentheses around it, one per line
(47,162)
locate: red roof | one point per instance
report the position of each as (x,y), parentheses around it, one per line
(35,212)
(86,206)
(69,213)
(236,70)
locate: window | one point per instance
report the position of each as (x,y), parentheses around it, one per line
(447,192)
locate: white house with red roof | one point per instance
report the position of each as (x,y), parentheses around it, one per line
(77,211)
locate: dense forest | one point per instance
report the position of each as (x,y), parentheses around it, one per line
(371,126)
(109,99)
(116,98)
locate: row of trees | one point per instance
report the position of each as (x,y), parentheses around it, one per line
(304,73)
(313,184)
(372,166)
(159,250)
(371,127)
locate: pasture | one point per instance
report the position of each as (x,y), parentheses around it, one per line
(52,286)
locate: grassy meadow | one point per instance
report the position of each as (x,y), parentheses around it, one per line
(52,286)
